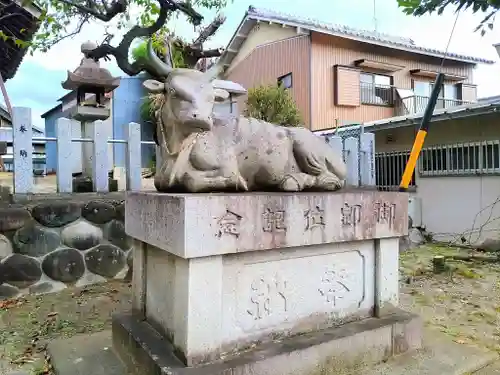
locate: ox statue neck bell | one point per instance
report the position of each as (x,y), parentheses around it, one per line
(91,83)
(203,153)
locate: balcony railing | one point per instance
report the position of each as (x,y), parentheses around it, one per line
(383,95)
(417,104)
(376,94)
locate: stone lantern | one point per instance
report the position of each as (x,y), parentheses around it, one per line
(91,83)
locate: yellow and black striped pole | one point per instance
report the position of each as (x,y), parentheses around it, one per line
(421,134)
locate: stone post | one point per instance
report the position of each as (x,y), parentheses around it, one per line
(87,148)
(65,154)
(275,283)
(22,134)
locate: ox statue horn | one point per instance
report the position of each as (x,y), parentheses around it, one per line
(160,68)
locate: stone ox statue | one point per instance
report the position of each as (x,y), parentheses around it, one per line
(201,153)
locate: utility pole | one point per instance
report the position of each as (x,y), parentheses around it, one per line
(375,15)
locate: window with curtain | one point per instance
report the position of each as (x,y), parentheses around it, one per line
(447,97)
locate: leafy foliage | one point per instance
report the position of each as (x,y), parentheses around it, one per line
(61,19)
(149,105)
(421,7)
(176,48)
(273,104)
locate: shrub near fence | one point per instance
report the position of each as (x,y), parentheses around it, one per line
(23,154)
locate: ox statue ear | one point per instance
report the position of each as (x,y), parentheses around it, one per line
(153,86)
(221,95)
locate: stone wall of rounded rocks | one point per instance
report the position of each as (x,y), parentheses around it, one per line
(48,246)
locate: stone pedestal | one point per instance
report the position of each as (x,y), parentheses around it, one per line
(264,282)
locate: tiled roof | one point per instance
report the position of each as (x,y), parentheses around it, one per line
(441,114)
(22,27)
(363,35)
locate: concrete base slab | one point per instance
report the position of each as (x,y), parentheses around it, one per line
(90,354)
(145,351)
(85,355)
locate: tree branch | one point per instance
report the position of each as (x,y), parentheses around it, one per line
(78,29)
(121,51)
(194,51)
(209,31)
(117,7)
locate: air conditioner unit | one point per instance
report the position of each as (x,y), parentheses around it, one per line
(415,211)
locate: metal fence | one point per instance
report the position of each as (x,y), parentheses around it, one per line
(456,159)
(23,153)
(358,150)
(389,168)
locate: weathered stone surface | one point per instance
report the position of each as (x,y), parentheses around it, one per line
(235,153)
(35,240)
(90,278)
(56,214)
(5,247)
(13,218)
(114,232)
(7,291)
(98,212)
(128,276)
(20,270)
(200,225)
(47,287)
(120,211)
(332,351)
(65,265)
(130,258)
(81,235)
(105,260)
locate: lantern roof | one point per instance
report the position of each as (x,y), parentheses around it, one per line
(89,74)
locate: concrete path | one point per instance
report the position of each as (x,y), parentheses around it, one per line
(85,355)
(493,369)
(440,356)
(92,354)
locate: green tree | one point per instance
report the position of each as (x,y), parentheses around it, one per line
(176,48)
(61,19)
(273,104)
(421,7)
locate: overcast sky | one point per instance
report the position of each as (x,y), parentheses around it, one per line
(37,83)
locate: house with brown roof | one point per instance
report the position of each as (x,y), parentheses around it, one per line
(339,75)
(347,81)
